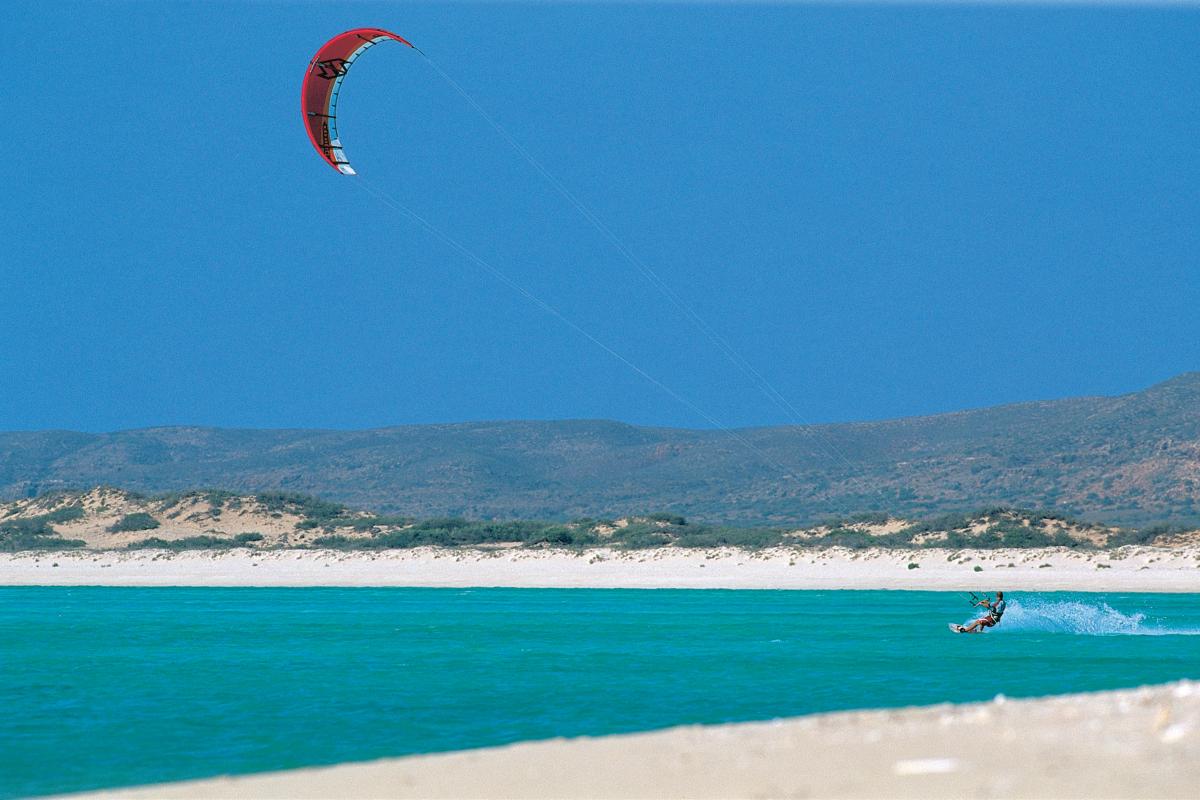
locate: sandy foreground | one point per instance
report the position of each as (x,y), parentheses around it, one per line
(1131,569)
(1135,743)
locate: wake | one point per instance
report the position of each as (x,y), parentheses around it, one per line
(1082,618)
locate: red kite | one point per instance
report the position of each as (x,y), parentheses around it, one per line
(323,81)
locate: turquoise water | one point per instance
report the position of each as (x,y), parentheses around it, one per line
(106,687)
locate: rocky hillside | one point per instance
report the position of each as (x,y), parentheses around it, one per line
(1133,460)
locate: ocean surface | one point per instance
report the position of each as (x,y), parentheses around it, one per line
(104,687)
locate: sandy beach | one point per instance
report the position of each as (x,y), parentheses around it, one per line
(1130,569)
(1125,744)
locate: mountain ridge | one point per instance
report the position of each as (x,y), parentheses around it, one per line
(1130,459)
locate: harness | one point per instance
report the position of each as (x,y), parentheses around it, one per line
(992,613)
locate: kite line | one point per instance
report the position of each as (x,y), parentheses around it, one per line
(319,96)
(722,344)
(503,277)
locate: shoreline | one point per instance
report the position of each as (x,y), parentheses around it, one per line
(1128,743)
(1129,569)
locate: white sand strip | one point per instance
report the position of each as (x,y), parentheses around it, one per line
(1127,570)
(1128,744)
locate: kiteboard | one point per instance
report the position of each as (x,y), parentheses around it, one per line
(956,628)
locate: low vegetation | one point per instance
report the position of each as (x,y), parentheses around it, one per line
(38,533)
(138,521)
(196,542)
(213,519)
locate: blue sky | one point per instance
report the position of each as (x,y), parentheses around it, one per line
(886,211)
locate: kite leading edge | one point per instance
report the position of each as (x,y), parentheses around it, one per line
(323,81)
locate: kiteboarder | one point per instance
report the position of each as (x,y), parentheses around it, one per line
(995,610)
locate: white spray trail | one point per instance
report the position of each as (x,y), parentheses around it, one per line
(1094,618)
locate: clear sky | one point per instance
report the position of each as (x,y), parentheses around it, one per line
(886,210)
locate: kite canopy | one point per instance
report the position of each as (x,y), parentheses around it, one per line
(323,81)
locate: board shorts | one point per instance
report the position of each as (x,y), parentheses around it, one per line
(987,621)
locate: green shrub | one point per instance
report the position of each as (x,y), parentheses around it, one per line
(11,542)
(28,526)
(1144,536)
(138,521)
(34,533)
(564,536)
(455,532)
(65,514)
(444,523)
(747,538)
(220,497)
(366,523)
(311,508)
(644,539)
(847,537)
(336,543)
(1009,533)
(864,518)
(187,543)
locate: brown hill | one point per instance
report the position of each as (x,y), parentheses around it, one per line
(1133,459)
